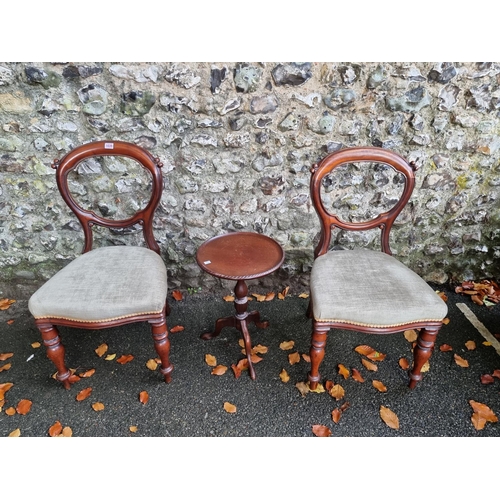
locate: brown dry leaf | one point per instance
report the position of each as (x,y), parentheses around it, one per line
(319,389)
(255,359)
(478,421)
(284,376)
(177,295)
(87,373)
(303,388)
(343,371)
(73,378)
(486,343)
(5,304)
(15,433)
(357,376)
(270,296)
(176,329)
(336,414)
(426,367)
(328,385)
(125,358)
(55,429)
(369,365)
(24,406)
(6,355)
(411,335)
(230,408)
(461,361)
(259,297)
(219,370)
(3,389)
(445,348)
(241,343)
(446,321)
(389,417)
(236,371)
(404,363)
(97,406)
(287,345)
(101,350)
(364,350)
(152,364)
(260,349)
(110,357)
(210,360)
(36,345)
(321,431)
(376,356)
(143,397)
(379,386)
(496,373)
(283,293)
(10,411)
(133,428)
(443,296)
(471,345)
(67,432)
(484,411)
(337,392)
(242,364)
(304,296)
(306,357)
(84,394)
(10,321)
(5,367)
(294,358)
(487,379)
(229,298)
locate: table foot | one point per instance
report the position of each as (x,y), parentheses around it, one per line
(219,325)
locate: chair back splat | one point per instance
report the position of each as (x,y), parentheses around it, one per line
(111,285)
(394,298)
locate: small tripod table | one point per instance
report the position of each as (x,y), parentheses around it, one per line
(239,256)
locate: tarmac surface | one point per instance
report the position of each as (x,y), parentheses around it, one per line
(192,405)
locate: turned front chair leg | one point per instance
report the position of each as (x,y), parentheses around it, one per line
(422,352)
(55,352)
(317,353)
(162,346)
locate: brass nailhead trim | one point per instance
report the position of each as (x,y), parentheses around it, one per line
(376,326)
(98,320)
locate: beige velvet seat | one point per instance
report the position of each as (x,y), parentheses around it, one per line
(367,290)
(111,285)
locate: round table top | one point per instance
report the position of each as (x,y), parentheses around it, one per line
(241,255)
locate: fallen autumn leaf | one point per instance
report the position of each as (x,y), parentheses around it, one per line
(294,358)
(210,360)
(143,397)
(219,370)
(284,376)
(389,417)
(24,406)
(321,431)
(230,408)
(84,394)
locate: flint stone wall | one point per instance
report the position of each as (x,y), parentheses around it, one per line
(237,141)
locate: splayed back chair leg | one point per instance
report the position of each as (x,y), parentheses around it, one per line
(422,352)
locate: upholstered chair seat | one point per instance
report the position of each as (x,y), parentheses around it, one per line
(125,281)
(386,292)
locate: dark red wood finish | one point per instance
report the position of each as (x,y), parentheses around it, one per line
(239,256)
(158,322)
(384,221)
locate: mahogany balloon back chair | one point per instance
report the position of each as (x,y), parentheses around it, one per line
(367,290)
(111,285)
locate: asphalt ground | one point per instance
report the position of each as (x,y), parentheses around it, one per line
(192,405)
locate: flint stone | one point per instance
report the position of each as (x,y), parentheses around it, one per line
(290,122)
(39,76)
(272,185)
(224,165)
(139,75)
(230,106)
(40,144)
(204,140)
(185,185)
(222,206)
(456,140)
(217,76)
(67,127)
(249,206)
(15,103)
(263,122)
(260,224)
(89,166)
(412,101)
(208,123)
(442,73)
(376,78)
(456,203)
(339,98)
(94,99)
(182,76)
(440,123)
(310,100)
(137,103)
(326,123)
(480,98)
(266,104)
(439,182)
(99,125)
(261,162)
(146,141)
(172,103)
(195,204)
(238,121)
(236,140)
(349,74)
(448,96)
(196,167)
(273,204)
(6,76)
(246,77)
(291,74)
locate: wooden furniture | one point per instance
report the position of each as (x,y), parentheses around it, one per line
(112,285)
(366,290)
(239,256)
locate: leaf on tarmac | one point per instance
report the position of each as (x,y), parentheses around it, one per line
(389,417)
(321,431)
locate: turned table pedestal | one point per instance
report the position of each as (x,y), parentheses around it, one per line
(239,256)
